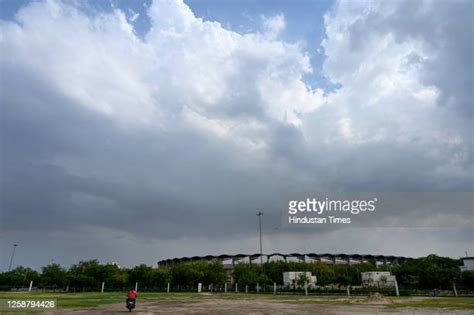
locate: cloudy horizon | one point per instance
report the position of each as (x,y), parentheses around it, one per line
(139,131)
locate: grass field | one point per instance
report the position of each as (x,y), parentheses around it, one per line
(84,300)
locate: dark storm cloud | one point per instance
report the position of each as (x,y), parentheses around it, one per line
(138,185)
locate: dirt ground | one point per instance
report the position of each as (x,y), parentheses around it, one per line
(252,307)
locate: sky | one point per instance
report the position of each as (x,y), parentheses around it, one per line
(135,131)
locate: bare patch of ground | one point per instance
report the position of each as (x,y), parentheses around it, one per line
(255,307)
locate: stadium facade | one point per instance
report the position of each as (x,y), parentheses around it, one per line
(229,261)
(326,258)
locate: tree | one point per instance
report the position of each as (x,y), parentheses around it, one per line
(327,276)
(80,281)
(161,277)
(467,280)
(343,279)
(215,273)
(411,281)
(141,274)
(188,274)
(19,277)
(274,271)
(302,279)
(421,273)
(193,276)
(428,272)
(84,275)
(249,274)
(53,275)
(114,276)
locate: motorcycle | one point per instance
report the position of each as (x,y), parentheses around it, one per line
(131,304)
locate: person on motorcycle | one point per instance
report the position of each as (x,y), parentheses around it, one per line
(131,299)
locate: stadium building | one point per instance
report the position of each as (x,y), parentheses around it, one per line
(229,261)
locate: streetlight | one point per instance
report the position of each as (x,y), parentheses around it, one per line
(259,214)
(11,258)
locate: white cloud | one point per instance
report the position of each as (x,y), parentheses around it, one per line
(273,25)
(183,61)
(381,64)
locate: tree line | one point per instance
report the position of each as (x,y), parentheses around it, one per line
(418,274)
(423,273)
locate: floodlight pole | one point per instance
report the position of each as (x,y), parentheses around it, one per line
(11,258)
(259,214)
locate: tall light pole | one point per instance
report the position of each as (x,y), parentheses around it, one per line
(11,258)
(259,214)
